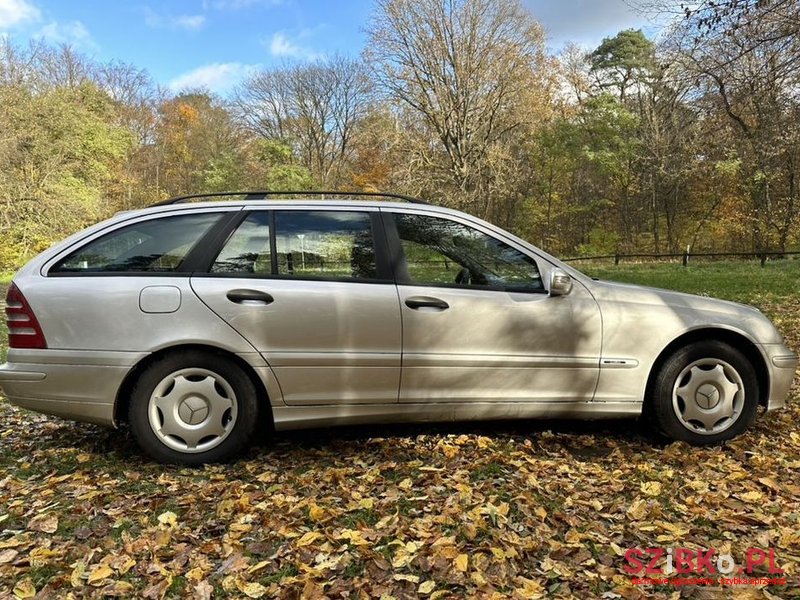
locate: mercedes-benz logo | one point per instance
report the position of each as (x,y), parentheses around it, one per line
(707,396)
(193,410)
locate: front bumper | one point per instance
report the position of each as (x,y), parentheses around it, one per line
(782,366)
(77,385)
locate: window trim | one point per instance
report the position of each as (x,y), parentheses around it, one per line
(382,265)
(223,219)
(202,256)
(400,266)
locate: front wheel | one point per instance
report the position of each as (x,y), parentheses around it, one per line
(705,393)
(192,407)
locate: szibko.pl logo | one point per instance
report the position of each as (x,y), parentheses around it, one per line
(681,561)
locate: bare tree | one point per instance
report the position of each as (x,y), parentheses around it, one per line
(465,67)
(63,66)
(314,106)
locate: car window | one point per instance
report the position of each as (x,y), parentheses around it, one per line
(155,245)
(443,252)
(248,249)
(325,244)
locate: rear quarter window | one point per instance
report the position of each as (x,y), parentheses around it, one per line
(154,246)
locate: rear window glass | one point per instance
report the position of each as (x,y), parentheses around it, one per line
(325,244)
(154,246)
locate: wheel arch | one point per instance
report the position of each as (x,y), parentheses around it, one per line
(123,398)
(733,338)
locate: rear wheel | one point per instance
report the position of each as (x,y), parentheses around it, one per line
(705,393)
(192,407)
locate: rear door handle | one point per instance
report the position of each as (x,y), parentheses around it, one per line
(249,297)
(417,302)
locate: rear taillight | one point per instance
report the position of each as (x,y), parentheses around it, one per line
(23,328)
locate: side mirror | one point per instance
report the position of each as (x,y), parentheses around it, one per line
(560,283)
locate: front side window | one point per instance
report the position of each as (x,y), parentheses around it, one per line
(325,244)
(442,252)
(153,246)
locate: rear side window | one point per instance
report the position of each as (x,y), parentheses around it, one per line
(154,246)
(325,244)
(321,244)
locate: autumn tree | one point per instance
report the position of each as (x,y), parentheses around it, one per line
(59,155)
(198,145)
(750,72)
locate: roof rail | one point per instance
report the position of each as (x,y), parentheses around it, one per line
(263,194)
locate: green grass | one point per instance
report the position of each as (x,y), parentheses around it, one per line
(741,281)
(3,328)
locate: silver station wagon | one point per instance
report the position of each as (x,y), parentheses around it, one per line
(203,319)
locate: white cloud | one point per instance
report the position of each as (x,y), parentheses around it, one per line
(17,12)
(161,21)
(71,32)
(216,77)
(282,46)
(190,21)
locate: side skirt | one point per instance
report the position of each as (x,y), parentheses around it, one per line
(300,417)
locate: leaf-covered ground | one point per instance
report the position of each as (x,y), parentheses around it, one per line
(526,509)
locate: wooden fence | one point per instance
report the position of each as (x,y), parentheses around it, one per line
(762,256)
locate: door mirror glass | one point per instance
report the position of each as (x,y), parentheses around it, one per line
(560,283)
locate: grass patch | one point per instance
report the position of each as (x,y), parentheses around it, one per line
(41,575)
(739,281)
(282,573)
(3,328)
(354,569)
(178,586)
(490,470)
(359,518)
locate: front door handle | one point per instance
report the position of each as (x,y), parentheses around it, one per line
(417,302)
(249,297)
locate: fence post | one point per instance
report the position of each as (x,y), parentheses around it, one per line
(616,259)
(763,258)
(686,257)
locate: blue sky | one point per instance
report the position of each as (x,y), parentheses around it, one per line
(215,43)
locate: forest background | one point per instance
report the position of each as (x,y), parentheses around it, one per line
(690,140)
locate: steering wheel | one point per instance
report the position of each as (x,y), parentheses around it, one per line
(464,277)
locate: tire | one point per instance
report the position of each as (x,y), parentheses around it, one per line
(192,407)
(705,393)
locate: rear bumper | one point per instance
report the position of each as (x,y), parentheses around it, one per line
(782,366)
(81,386)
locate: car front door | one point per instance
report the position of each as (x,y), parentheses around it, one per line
(478,322)
(315,296)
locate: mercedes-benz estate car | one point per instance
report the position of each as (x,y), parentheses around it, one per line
(202,320)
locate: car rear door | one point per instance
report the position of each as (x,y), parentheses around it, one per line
(478,323)
(311,289)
